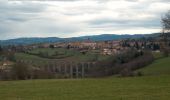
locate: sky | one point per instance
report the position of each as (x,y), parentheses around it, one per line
(72,18)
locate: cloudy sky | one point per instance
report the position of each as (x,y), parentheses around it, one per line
(69,18)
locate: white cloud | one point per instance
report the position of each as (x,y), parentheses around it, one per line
(66,18)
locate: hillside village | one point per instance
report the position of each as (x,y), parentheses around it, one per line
(79,58)
(109,47)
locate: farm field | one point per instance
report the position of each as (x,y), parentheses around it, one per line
(131,88)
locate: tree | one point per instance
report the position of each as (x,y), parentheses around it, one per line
(136,45)
(166,22)
(20,71)
(0,49)
(51,46)
(165,34)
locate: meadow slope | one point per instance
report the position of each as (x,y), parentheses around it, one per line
(158,67)
(132,88)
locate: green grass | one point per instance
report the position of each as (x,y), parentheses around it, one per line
(157,55)
(53,51)
(158,67)
(67,55)
(134,88)
(27,57)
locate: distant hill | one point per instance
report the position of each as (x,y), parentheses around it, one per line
(25,41)
(115,37)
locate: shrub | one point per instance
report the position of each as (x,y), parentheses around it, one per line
(5,75)
(127,72)
(41,74)
(20,71)
(139,74)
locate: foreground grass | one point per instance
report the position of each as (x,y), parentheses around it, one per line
(135,88)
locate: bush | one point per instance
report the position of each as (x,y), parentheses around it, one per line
(127,72)
(20,71)
(41,74)
(5,75)
(123,64)
(132,65)
(139,74)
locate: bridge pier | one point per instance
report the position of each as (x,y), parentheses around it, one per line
(71,70)
(77,71)
(82,70)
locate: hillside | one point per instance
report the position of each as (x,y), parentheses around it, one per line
(160,66)
(62,55)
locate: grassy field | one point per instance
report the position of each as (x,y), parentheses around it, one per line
(158,67)
(51,51)
(132,88)
(68,55)
(157,55)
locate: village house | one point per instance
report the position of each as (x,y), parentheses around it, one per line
(107,52)
(111,51)
(5,65)
(75,45)
(88,44)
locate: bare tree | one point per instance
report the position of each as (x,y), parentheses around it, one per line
(166,22)
(164,42)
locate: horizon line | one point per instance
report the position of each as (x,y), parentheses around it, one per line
(73,36)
